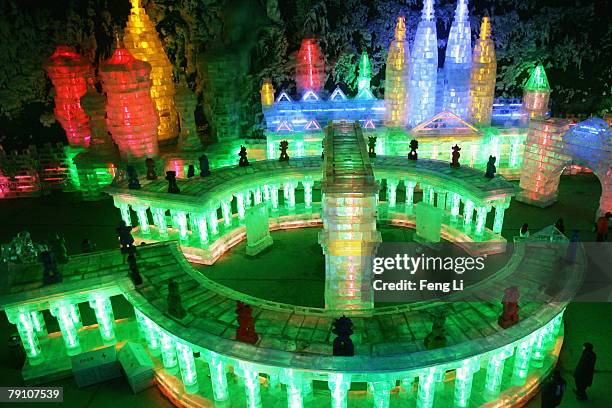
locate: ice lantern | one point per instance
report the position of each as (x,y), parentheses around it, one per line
(69,73)
(310,70)
(130,112)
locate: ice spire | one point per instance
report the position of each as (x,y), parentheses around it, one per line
(482,78)
(458,62)
(397,74)
(423,68)
(365,72)
(140,37)
(536,93)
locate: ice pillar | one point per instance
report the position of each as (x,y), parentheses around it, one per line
(522,356)
(495,371)
(391,192)
(186,362)
(307,183)
(410,185)
(463,381)
(252,386)
(218,378)
(427,387)
(382,393)
(168,351)
(105,317)
(27,333)
(159,218)
(143,220)
(68,328)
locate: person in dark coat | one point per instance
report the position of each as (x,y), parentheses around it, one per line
(583,374)
(553,389)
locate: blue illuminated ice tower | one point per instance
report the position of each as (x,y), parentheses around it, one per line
(423,68)
(457,63)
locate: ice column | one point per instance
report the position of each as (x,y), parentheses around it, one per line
(27,333)
(187,366)
(463,381)
(495,370)
(168,351)
(68,328)
(105,318)
(218,377)
(522,355)
(252,386)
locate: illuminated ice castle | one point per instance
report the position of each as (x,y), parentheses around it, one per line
(439,106)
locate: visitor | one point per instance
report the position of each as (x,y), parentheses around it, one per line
(583,374)
(602,227)
(560,226)
(553,389)
(524,231)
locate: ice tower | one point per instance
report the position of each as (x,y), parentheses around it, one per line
(365,73)
(423,68)
(310,69)
(536,93)
(70,73)
(457,63)
(130,112)
(397,76)
(482,78)
(142,40)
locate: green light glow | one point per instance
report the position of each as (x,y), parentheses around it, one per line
(538,80)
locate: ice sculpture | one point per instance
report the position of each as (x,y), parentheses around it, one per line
(482,78)
(397,76)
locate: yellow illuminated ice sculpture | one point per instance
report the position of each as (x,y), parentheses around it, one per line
(482,78)
(141,39)
(396,88)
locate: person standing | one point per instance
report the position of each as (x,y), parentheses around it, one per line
(553,389)
(602,227)
(583,374)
